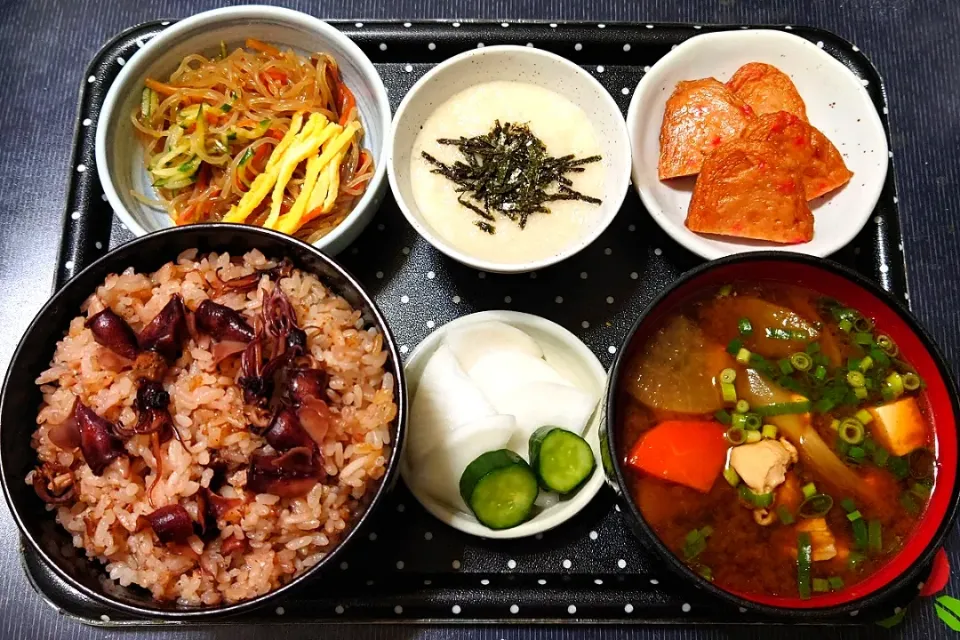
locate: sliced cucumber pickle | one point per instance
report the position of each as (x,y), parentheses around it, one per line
(500,488)
(561,459)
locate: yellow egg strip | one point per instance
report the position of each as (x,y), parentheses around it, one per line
(295,122)
(309,183)
(262,183)
(320,194)
(305,146)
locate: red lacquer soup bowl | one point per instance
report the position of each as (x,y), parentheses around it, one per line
(916,347)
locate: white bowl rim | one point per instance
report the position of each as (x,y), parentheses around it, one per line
(252,12)
(489,265)
(586,493)
(694,242)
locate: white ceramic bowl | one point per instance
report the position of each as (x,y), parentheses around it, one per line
(119,154)
(518,64)
(837,104)
(566,353)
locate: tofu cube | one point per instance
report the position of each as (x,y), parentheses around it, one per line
(899,426)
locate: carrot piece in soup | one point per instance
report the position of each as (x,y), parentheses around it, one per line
(688,452)
(699,117)
(747,190)
(767,90)
(804,148)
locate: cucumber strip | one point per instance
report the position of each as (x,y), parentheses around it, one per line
(561,459)
(500,489)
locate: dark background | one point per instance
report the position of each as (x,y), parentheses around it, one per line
(45,46)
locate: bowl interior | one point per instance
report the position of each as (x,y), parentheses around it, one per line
(574,360)
(940,398)
(21,399)
(837,103)
(517,64)
(120,158)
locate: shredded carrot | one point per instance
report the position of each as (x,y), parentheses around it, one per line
(310,215)
(263,47)
(160,87)
(347,103)
(688,452)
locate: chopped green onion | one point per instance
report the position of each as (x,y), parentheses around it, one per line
(809,490)
(725,290)
(894,382)
(835,582)
(246,156)
(911,381)
(851,431)
(752,422)
(866,363)
(734,346)
(848,505)
(745,327)
(801,361)
(860,532)
(880,457)
(728,375)
(845,325)
(736,436)
(899,467)
(909,503)
(223,49)
(823,405)
(743,406)
(874,536)
(706,573)
(784,514)
(887,345)
(820,585)
(854,559)
(695,547)
(753,436)
(783,408)
(731,476)
(820,373)
(813,348)
(861,393)
(854,515)
(855,379)
(919,490)
(785,367)
(723,417)
(706,531)
(729,392)
(864,416)
(769,431)
(804,563)
(738,420)
(835,424)
(226,107)
(857,454)
(815,506)
(862,338)
(743,356)
(759,500)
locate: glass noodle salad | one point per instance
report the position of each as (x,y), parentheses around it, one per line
(257,136)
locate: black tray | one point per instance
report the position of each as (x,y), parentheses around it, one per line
(413,568)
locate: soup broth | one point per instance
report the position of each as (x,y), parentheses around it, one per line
(774,440)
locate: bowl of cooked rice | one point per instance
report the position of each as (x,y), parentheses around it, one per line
(250,115)
(200,420)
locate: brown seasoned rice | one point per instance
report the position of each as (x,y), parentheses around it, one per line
(285,535)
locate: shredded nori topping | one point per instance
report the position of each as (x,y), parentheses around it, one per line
(508,172)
